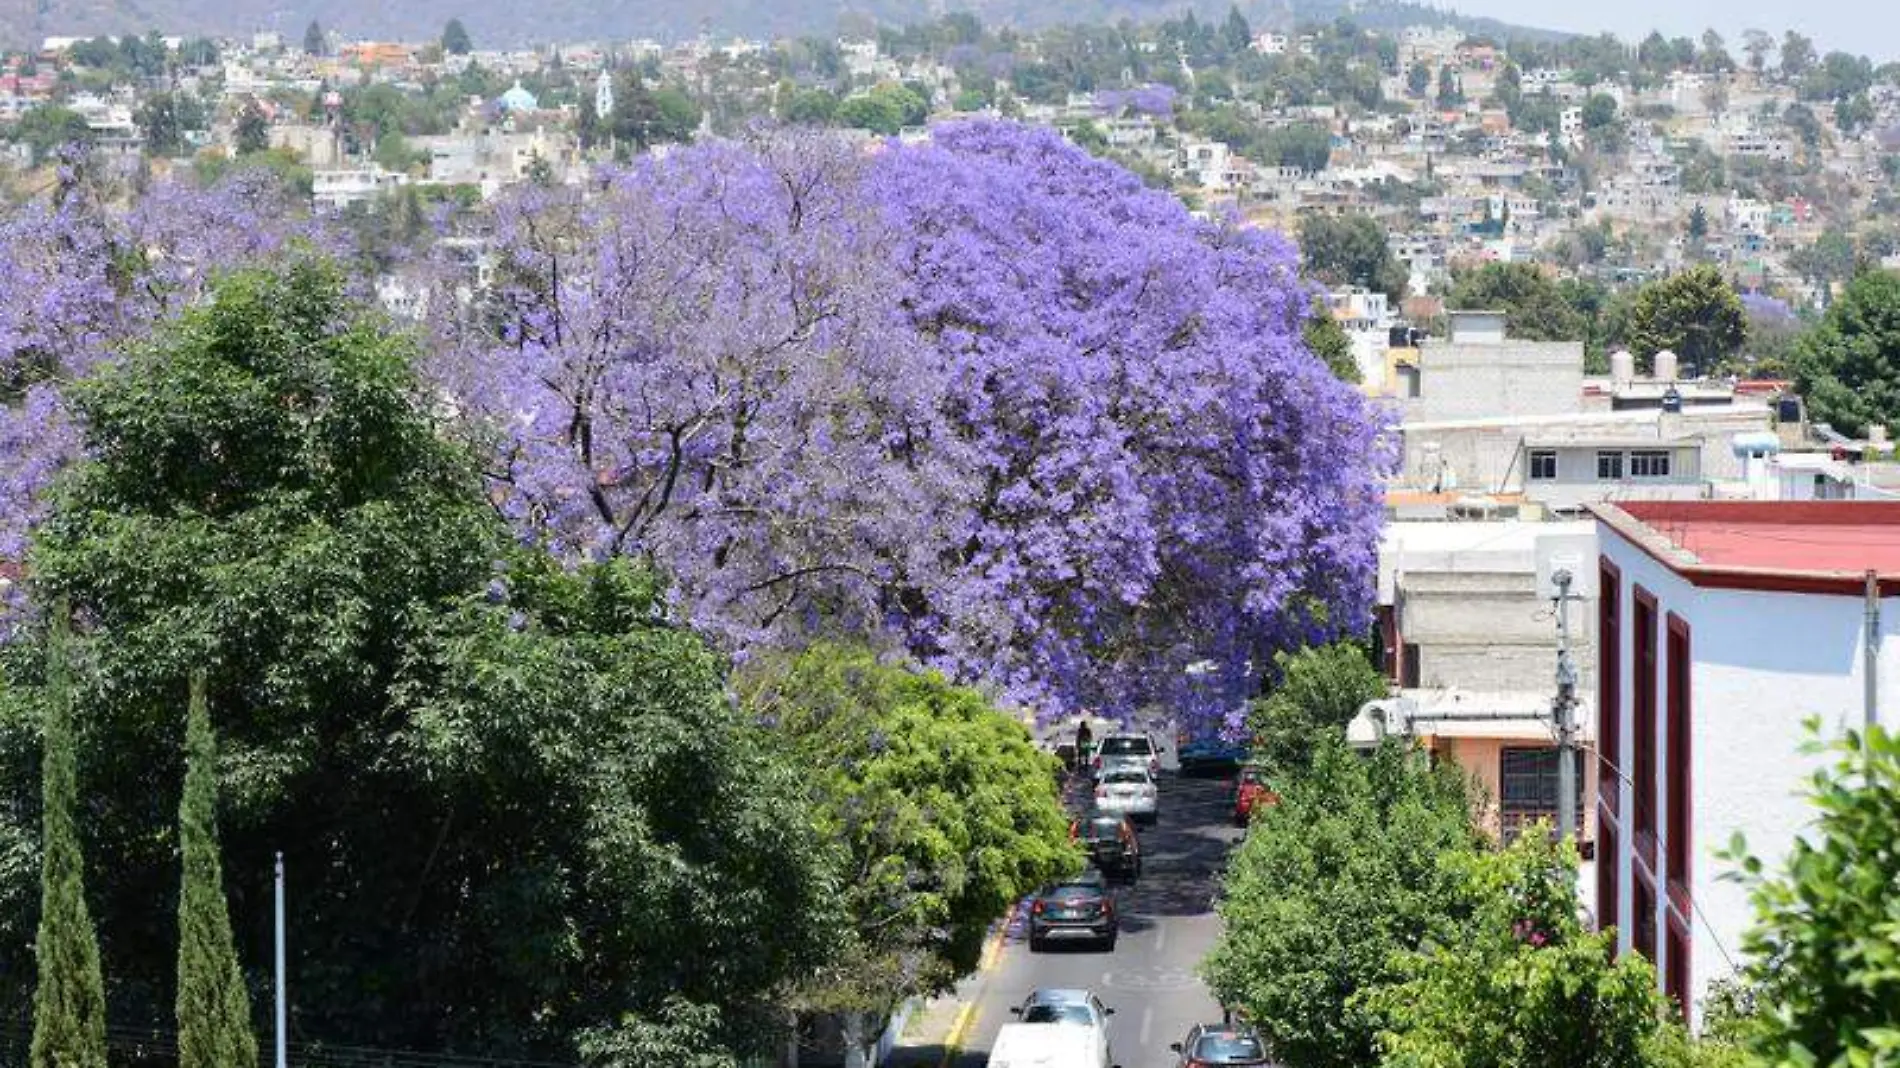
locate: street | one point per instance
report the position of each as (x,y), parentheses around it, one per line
(1167,926)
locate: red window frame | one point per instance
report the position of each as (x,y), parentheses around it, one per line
(1676,968)
(1643,922)
(1678,854)
(1643,723)
(1609,686)
(1609,883)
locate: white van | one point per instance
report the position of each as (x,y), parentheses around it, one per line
(1020,1045)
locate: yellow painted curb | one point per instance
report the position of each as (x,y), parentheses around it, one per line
(994,951)
(953,1045)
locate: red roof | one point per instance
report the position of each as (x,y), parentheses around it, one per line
(1802,546)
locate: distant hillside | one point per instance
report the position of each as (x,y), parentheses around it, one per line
(506,23)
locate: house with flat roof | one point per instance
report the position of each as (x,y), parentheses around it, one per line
(1721,628)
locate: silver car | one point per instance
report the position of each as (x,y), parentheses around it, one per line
(1129,790)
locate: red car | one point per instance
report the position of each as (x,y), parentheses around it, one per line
(1250,793)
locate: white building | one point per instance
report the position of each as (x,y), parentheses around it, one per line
(1722,626)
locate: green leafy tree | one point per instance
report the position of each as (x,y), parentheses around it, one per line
(1326,339)
(214,1011)
(1418,78)
(813,107)
(1822,949)
(1353,866)
(1302,145)
(48,127)
(253,129)
(1696,314)
(69,1004)
(1351,250)
(505,787)
(947,812)
(1797,55)
(1848,367)
(455,39)
(1450,95)
(1599,112)
(162,124)
(1236,33)
(315,43)
(1320,690)
(680,1034)
(1534,307)
(1523,983)
(1698,225)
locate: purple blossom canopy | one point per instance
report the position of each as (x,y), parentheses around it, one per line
(1155,99)
(82,280)
(983,397)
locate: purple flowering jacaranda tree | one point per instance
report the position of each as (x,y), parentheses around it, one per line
(84,276)
(983,397)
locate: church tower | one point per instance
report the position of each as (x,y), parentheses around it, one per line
(604,96)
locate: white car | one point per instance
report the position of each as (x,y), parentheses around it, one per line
(1128,790)
(1128,746)
(1064,1028)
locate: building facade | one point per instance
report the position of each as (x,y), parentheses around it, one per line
(1722,628)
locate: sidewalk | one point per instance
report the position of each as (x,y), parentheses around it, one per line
(927,1036)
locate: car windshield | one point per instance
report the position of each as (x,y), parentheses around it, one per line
(1075,1014)
(1229,1048)
(1126,745)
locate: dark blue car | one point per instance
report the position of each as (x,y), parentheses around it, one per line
(1208,749)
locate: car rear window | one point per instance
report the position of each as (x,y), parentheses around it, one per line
(1058,1014)
(1125,776)
(1132,745)
(1075,892)
(1108,828)
(1229,1048)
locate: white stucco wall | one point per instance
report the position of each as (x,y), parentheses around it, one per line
(1762,663)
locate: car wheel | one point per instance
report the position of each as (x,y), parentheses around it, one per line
(1035,944)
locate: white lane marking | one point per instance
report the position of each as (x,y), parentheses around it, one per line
(1161,938)
(1147,1021)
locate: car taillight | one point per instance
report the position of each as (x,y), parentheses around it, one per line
(1036,908)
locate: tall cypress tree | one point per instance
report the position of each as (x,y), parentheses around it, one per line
(69,1005)
(214,1012)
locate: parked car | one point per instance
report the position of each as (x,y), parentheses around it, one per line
(1035,1045)
(1080,908)
(1128,789)
(1110,842)
(1128,746)
(1220,1046)
(1206,747)
(1251,793)
(1070,1010)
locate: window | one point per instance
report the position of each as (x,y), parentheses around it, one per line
(1609,685)
(1543,464)
(1676,971)
(1643,922)
(1610,466)
(1409,666)
(1643,720)
(1649,463)
(1608,883)
(1527,788)
(1676,728)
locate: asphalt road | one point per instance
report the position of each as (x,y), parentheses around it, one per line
(1167,925)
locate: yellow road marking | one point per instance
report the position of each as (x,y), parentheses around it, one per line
(954,1044)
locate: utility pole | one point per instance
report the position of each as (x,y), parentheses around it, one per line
(283,1059)
(1563,710)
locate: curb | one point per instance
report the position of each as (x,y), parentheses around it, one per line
(966,1015)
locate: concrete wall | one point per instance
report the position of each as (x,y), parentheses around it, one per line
(1762,662)
(1488,631)
(1488,380)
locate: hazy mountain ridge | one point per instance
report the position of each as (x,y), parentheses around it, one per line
(27,22)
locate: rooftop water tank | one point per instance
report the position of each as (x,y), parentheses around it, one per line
(1755,443)
(1666,369)
(1622,367)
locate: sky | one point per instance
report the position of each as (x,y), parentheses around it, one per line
(1864,27)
